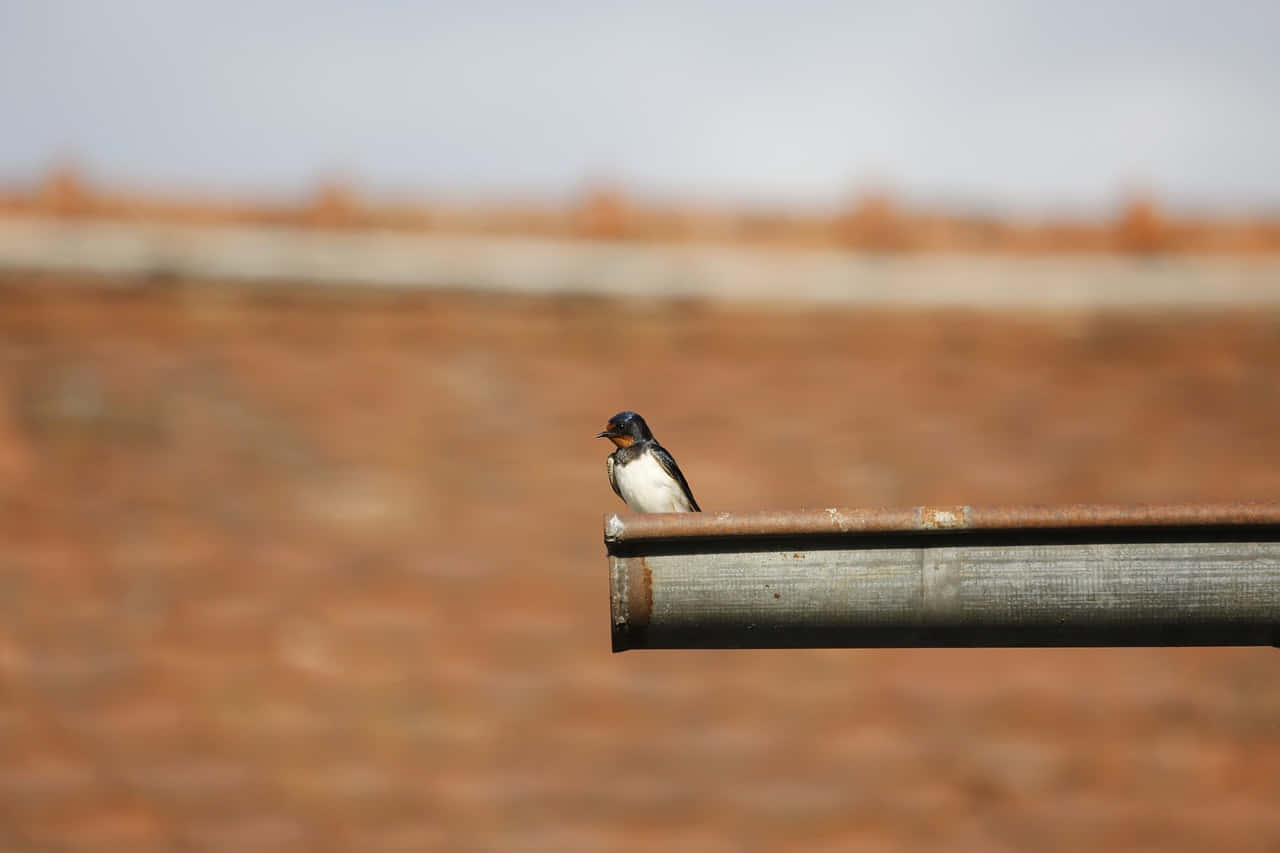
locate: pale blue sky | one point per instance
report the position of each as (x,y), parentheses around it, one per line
(1005,105)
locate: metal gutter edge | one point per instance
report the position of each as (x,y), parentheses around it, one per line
(630,527)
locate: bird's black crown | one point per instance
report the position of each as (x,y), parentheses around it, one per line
(627,424)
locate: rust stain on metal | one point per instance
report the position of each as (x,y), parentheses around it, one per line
(631,601)
(640,593)
(626,527)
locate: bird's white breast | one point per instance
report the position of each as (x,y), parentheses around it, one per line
(646,487)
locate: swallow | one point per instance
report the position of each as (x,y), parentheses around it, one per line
(641,471)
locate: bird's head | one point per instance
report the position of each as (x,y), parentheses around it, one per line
(625,429)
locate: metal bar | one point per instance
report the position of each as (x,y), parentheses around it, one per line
(1090,575)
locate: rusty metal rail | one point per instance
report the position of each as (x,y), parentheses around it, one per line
(1085,575)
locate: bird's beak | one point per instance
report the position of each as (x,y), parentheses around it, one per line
(604,434)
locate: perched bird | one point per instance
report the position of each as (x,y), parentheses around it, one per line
(641,471)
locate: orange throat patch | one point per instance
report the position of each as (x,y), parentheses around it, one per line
(622,440)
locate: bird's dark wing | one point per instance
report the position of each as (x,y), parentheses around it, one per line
(609,463)
(668,463)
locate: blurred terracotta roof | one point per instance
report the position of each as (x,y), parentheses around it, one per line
(875,221)
(313,570)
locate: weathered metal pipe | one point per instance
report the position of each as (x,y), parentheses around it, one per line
(1173,575)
